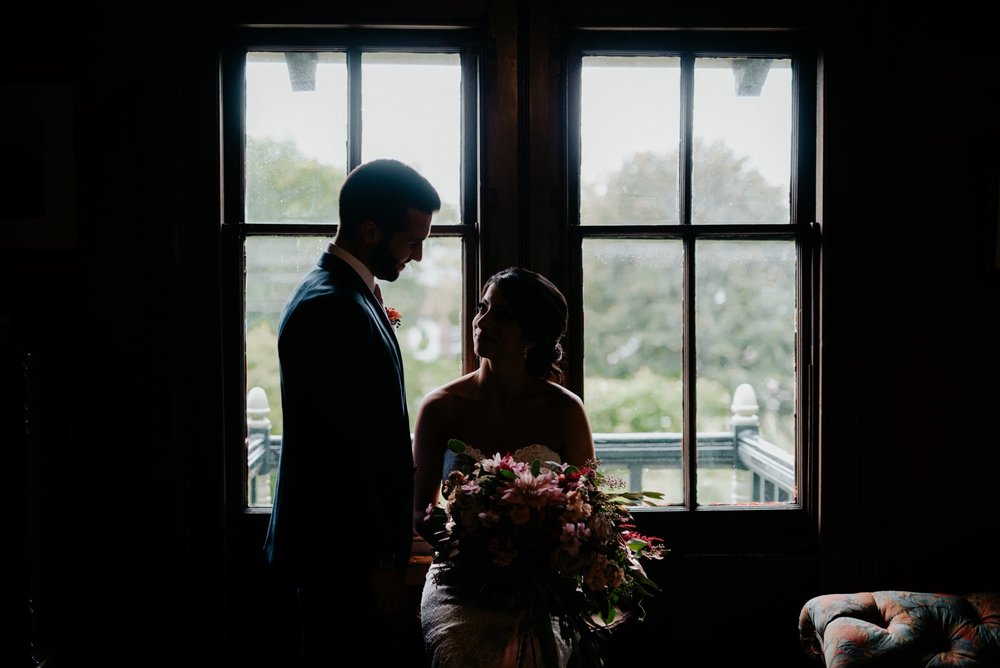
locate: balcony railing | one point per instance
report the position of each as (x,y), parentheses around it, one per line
(742,448)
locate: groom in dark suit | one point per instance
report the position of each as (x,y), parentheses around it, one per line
(340,531)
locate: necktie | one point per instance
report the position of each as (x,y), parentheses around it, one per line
(378,296)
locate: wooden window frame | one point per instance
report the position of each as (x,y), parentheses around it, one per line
(511,176)
(715,527)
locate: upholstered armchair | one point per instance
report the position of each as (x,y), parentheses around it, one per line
(902,629)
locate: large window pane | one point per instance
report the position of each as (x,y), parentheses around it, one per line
(632,296)
(296,136)
(629,137)
(274,266)
(428,294)
(411,111)
(745,330)
(742,140)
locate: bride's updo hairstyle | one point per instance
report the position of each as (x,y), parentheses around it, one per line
(540,310)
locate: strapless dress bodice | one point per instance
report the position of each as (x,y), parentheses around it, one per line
(527,455)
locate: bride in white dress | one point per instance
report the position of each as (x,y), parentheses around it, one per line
(510,404)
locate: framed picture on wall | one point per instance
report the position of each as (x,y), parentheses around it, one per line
(37,168)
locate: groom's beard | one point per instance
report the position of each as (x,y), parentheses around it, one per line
(385,266)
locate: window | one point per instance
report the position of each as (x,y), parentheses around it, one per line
(684,231)
(694,246)
(311,111)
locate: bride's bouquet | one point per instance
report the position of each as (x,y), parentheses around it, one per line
(544,536)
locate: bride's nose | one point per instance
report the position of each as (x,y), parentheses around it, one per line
(483,317)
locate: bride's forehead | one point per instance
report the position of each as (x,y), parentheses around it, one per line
(494,295)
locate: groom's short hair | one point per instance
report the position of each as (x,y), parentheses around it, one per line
(382,191)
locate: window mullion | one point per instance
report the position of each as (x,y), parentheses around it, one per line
(686,130)
(353,108)
(689,443)
(467,195)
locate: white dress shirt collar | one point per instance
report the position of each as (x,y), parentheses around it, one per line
(364,272)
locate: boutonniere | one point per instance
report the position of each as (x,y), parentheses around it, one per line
(395,317)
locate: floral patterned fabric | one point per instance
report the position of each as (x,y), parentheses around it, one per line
(902,628)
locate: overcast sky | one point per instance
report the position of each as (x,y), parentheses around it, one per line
(411,112)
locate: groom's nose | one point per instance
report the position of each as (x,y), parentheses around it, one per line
(418,253)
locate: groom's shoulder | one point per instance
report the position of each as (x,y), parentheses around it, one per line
(316,301)
(319,286)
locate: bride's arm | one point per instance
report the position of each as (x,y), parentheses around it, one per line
(428,457)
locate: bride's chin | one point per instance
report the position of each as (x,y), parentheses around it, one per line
(483,354)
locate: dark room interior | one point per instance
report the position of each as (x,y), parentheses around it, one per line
(124,392)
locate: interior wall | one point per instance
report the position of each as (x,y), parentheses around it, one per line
(126,526)
(72,309)
(942,356)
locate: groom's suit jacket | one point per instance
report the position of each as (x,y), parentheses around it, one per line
(345,477)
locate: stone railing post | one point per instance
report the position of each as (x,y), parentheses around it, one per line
(744,409)
(258,424)
(746,423)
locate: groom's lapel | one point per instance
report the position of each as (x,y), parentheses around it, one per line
(378,312)
(345,275)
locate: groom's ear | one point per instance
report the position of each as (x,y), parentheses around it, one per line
(371,233)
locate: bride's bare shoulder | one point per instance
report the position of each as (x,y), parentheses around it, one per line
(562,397)
(450,393)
